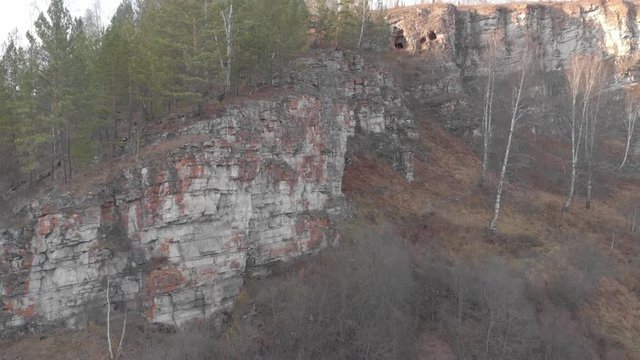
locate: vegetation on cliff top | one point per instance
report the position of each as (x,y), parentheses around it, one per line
(76,92)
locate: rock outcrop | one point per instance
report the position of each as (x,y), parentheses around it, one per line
(455,39)
(554,30)
(177,232)
(260,182)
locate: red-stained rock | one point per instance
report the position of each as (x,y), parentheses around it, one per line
(177,233)
(46,224)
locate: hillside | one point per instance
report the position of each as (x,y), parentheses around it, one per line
(339,213)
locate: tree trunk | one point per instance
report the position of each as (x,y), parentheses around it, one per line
(575,151)
(514,118)
(228,27)
(630,123)
(365,4)
(503,171)
(626,148)
(486,125)
(53,153)
(69,155)
(591,139)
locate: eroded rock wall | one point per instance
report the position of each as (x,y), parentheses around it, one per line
(448,35)
(176,233)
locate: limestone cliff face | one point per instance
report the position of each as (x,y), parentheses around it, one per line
(176,233)
(458,35)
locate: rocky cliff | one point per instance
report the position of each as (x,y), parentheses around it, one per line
(259,182)
(456,38)
(176,232)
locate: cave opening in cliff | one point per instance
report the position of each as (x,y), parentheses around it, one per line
(399,41)
(432,35)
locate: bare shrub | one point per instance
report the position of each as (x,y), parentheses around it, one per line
(575,271)
(367,300)
(189,344)
(560,339)
(349,307)
(487,311)
(357,302)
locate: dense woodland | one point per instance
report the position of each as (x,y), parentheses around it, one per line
(73,93)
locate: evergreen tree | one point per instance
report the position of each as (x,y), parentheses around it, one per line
(78,86)
(83,96)
(53,31)
(23,123)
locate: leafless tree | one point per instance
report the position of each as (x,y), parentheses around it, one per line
(363,19)
(585,77)
(594,76)
(225,61)
(124,326)
(493,44)
(516,114)
(574,76)
(629,120)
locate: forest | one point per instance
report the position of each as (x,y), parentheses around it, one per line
(73,93)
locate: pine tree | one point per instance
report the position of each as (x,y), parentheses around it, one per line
(54,30)
(83,97)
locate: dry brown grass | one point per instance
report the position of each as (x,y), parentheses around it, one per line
(87,344)
(614,313)
(445,205)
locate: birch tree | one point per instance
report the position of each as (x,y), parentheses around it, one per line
(364,11)
(594,79)
(118,352)
(574,76)
(227,21)
(516,114)
(631,116)
(491,58)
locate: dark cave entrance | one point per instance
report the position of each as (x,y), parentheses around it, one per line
(399,41)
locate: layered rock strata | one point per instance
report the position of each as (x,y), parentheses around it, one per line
(175,234)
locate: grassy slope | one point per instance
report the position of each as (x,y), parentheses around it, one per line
(445,206)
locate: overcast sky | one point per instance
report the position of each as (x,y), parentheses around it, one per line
(21,14)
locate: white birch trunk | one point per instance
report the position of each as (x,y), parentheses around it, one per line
(591,139)
(486,125)
(124,326)
(492,45)
(594,76)
(227,20)
(365,5)
(514,119)
(109,320)
(630,123)
(574,78)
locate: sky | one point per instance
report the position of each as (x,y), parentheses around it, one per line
(21,14)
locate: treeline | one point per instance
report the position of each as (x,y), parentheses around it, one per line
(75,92)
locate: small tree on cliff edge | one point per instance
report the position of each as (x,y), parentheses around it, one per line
(516,114)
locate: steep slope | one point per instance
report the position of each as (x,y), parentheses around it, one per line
(264,181)
(452,41)
(175,233)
